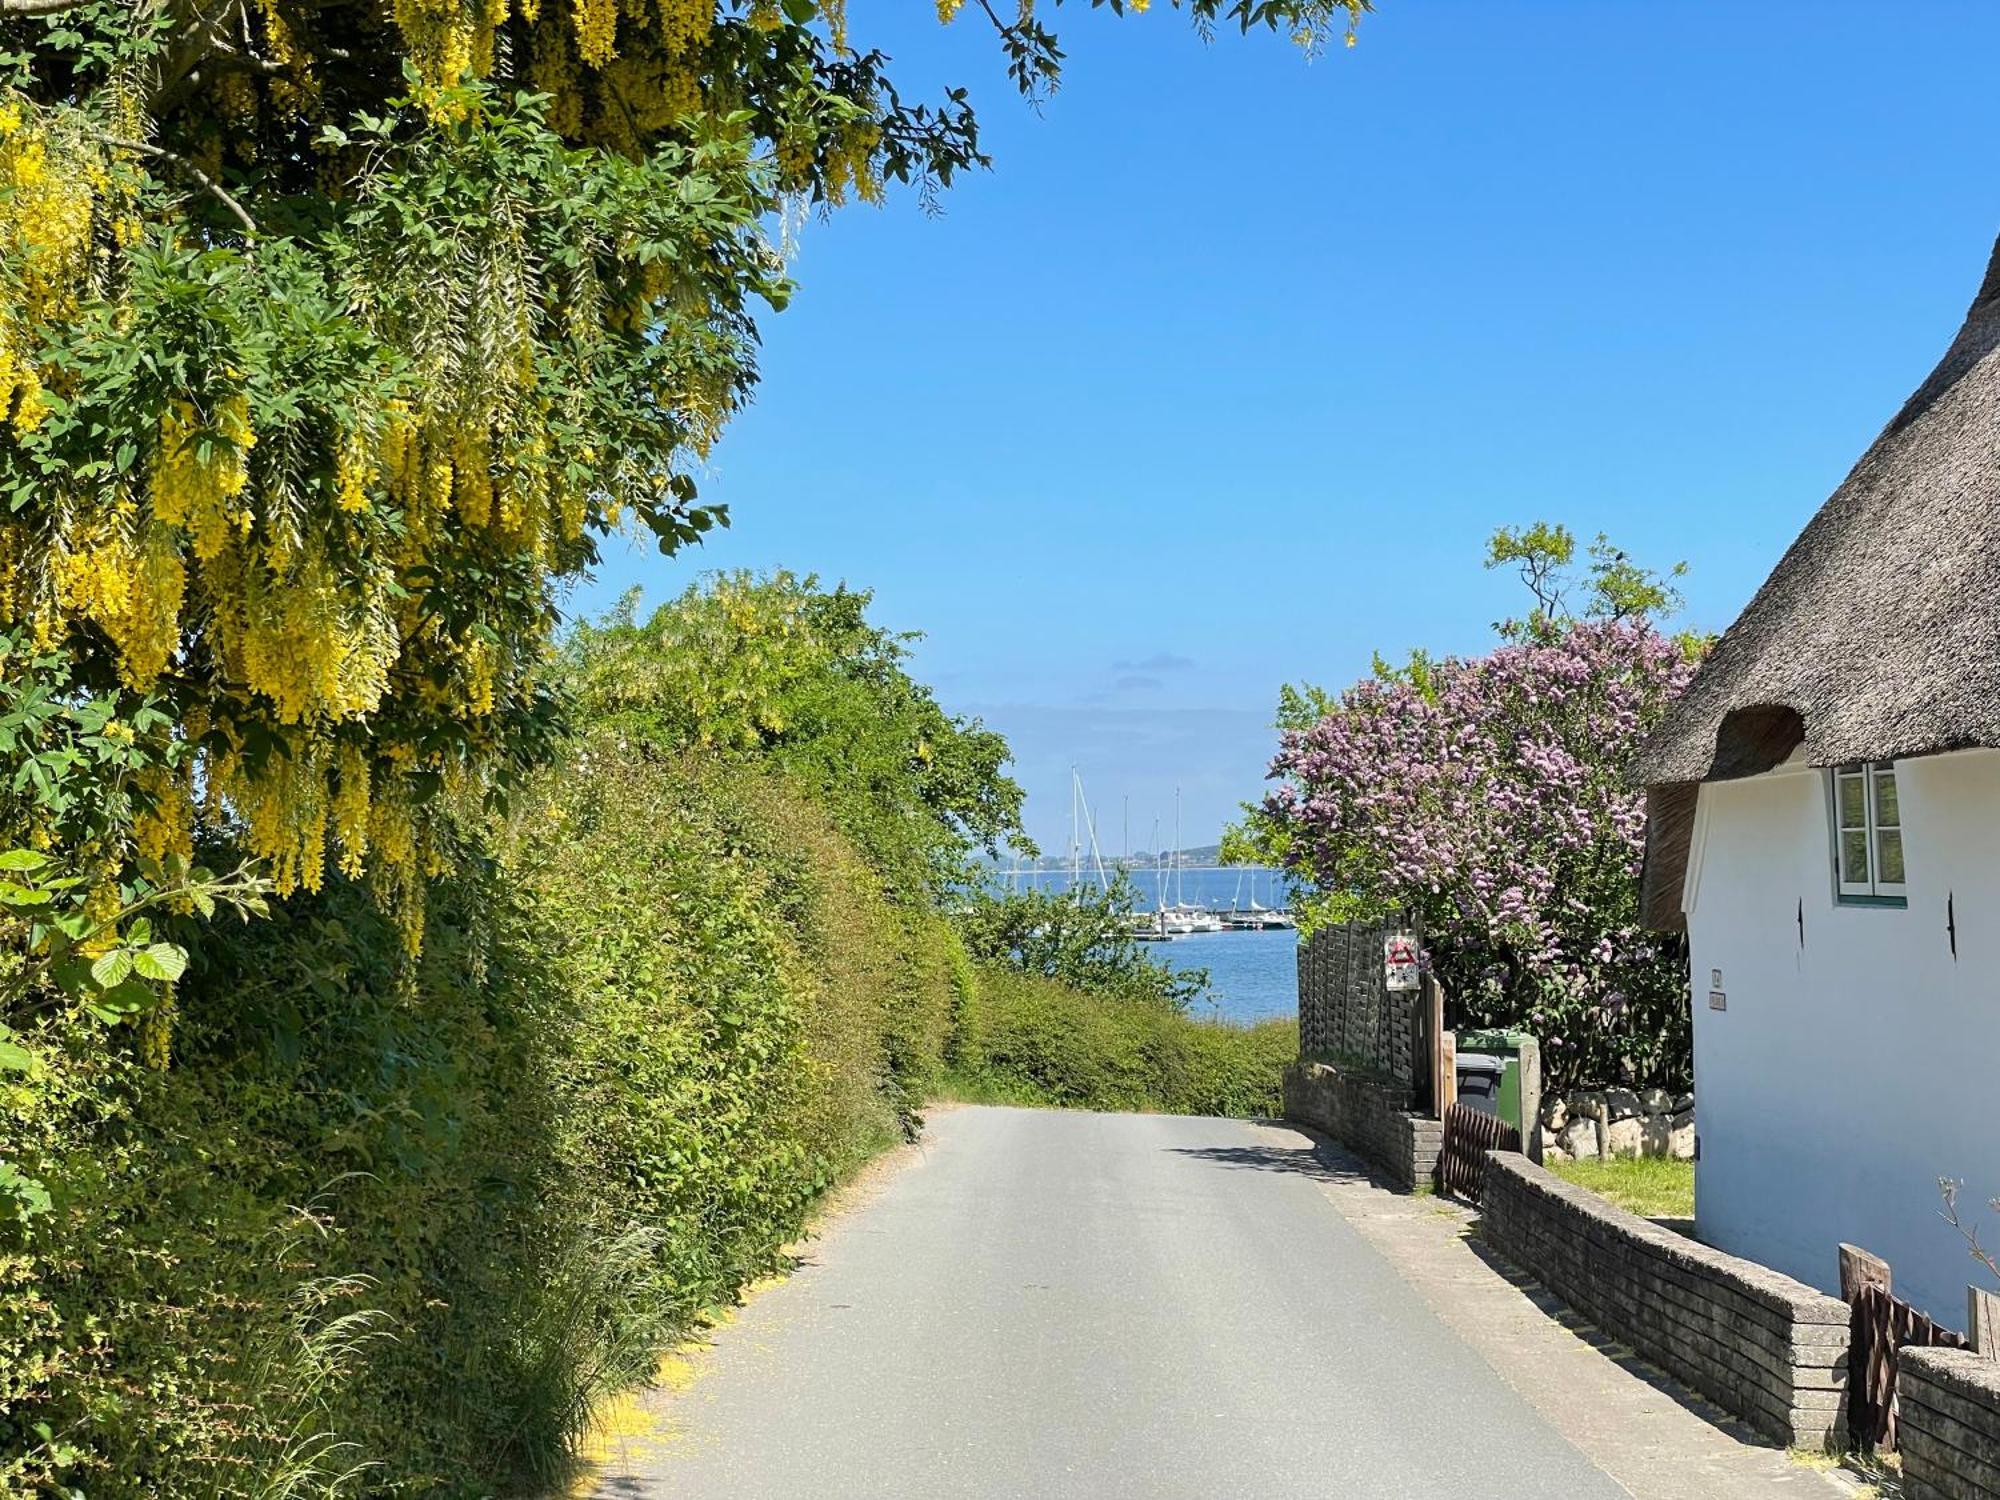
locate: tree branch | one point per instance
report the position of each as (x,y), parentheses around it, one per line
(36,7)
(206,182)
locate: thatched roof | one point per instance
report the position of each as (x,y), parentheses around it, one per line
(1878,635)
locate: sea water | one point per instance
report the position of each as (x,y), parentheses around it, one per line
(1253,976)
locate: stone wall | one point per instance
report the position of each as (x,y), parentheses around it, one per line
(1617,1122)
(1370,1118)
(1767,1348)
(1948,1424)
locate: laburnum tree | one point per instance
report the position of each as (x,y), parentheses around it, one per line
(336,334)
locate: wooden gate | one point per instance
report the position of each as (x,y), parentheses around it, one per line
(1468,1135)
(1880,1325)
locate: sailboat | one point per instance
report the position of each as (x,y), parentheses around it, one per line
(1181,917)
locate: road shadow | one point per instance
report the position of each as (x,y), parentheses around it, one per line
(1314,1158)
(1622,1355)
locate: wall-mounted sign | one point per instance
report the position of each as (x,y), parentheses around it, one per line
(1399,961)
(1717,1000)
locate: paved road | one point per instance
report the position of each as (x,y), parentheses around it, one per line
(1057,1305)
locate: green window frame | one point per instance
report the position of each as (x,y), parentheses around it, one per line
(1867,818)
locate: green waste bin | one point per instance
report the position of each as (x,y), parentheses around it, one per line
(1506,1046)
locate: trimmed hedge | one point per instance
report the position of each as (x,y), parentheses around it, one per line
(1037,1041)
(419,1215)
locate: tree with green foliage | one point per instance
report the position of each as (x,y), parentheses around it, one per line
(794,675)
(1616,587)
(1082,938)
(335,336)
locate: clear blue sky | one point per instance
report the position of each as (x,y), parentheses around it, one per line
(1223,376)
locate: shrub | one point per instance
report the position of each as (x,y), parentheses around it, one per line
(1080,937)
(421,1214)
(1486,797)
(1043,1042)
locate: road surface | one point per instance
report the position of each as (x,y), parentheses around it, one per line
(1055,1304)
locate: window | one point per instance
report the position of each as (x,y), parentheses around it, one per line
(1867,835)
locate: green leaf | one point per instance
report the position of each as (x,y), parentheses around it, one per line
(162,961)
(23,859)
(129,999)
(111,969)
(14,1058)
(29,1197)
(21,895)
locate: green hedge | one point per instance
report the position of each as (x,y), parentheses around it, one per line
(420,1215)
(414,1218)
(1039,1042)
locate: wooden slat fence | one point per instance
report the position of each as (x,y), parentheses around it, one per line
(1468,1135)
(1880,1325)
(1347,1011)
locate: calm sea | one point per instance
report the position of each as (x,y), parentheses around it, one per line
(1253,976)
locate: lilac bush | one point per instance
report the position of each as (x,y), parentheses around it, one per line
(1485,798)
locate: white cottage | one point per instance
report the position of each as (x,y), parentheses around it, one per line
(1825,821)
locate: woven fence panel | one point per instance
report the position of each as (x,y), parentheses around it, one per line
(1346,1008)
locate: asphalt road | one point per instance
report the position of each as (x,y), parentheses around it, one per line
(1055,1305)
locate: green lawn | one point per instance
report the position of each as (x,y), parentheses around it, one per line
(1652,1186)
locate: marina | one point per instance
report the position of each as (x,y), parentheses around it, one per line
(1232,921)
(1253,972)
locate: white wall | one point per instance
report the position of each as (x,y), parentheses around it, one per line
(1850,1072)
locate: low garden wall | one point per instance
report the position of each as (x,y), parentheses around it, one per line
(1948,1424)
(1767,1348)
(1617,1122)
(1368,1117)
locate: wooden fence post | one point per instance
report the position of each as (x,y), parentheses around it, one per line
(1531,1100)
(1447,1071)
(1858,1269)
(1432,1000)
(1982,1321)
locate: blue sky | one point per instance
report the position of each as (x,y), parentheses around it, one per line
(1224,375)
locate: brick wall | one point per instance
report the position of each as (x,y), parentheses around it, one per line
(1769,1349)
(1368,1117)
(1948,1424)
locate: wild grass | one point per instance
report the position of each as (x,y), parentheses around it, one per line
(1650,1186)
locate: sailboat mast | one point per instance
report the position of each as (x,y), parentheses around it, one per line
(1075,848)
(1180,880)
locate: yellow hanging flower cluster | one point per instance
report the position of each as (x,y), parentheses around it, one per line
(166,827)
(850,163)
(596,30)
(202,473)
(303,639)
(354,471)
(45,222)
(156,1033)
(133,589)
(351,809)
(284,806)
(685,25)
(440,36)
